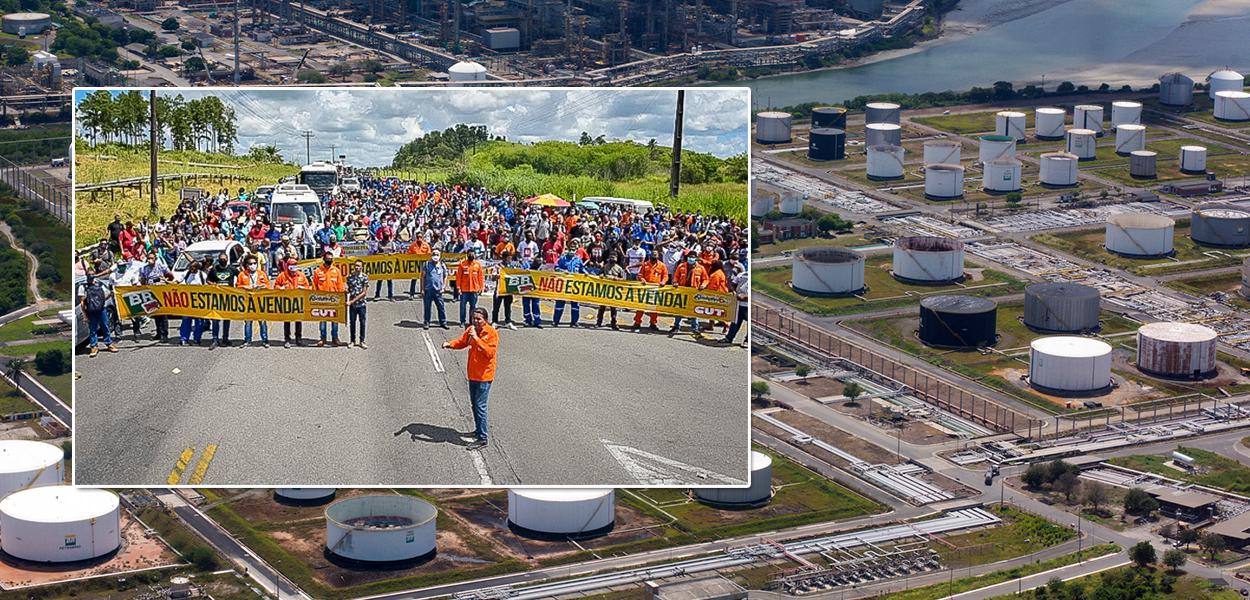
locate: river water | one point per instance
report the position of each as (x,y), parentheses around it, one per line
(1084,41)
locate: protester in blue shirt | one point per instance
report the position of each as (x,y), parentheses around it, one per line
(433,281)
(569,263)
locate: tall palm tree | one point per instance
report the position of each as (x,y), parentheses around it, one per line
(16,366)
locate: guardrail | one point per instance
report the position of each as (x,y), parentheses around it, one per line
(37,192)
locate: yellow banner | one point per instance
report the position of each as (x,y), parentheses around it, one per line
(385,266)
(669,300)
(219,302)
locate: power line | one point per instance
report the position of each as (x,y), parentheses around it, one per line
(308,135)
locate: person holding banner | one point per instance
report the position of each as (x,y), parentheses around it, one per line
(741,283)
(328,278)
(652,271)
(383,247)
(569,263)
(420,245)
(471,280)
(505,300)
(252,277)
(531,307)
(689,273)
(291,278)
(225,274)
(193,276)
(152,273)
(357,287)
(482,340)
(434,280)
(615,272)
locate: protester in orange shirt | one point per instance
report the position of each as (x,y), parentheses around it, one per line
(471,280)
(328,278)
(482,340)
(654,272)
(689,274)
(421,245)
(291,279)
(252,277)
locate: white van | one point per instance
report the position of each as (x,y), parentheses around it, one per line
(641,206)
(294,203)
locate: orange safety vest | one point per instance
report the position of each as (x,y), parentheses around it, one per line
(470,277)
(244,280)
(482,350)
(328,279)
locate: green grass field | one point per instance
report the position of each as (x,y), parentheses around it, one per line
(33,349)
(23,329)
(1188,256)
(845,240)
(964,584)
(1214,470)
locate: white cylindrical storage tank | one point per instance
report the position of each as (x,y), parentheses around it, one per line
(791,203)
(762,203)
(28,464)
(1143,164)
(1222,225)
(466,71)
(928,259)
(381,529)
(302,495)
(1003,175)
(1194,159)
(1048,122)
(876,134)
(1125,112)
(773,127)
(1070,364)
(1083,143)
(1139,234)
(1061,306)
(1224,80)
(885,161)
(1176,349)
(882,112)
(1087,116)
(943,182)
(827,272)
(760,492)
(1009,123)
(1176,89)
(1232,105)
(995,147)
(565,512)
(60,523)
(942,152)
(1130,137)
(1058,169)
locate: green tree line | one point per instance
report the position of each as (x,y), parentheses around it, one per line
(204,124)
(35,144)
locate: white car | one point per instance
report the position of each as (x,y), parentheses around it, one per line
(349,184)
(207,250)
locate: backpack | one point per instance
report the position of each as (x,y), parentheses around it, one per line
(95,299)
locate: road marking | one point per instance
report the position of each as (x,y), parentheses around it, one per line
(175,474)
(653,469)
(480,465)
(429,345)
(197,477)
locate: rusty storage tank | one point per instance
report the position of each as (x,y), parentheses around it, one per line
(1171,349)
(1221,225)
(955,321)
(1143,164)
(928,259)
(827,272)
(833,117)
(1061,307)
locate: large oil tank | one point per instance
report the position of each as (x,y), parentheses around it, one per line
(833,117)
(953,321)
(26,23)
(882,112)
(28,464)
(826,144)
(885,161)
(928,259)
(943,182)
(1176,89)
(1083,143)
(1125,112)
(942,152)
(1183,350)
(467,71)
(1070,364)
(876,134)
(791,203)
(1087,116)
(1194,159)
(1129,137)
(1143,164)
(827,272)
(1139,234)
(307,495)
(763,202)
(60,524)
(1003,175)
(1009,123)
(758,494)
(1232,105)
(565,512)
(381,528)
(1061,307)
(995,147)
(1222,225)
(1048,123)
(1058,169)
(1224,80)
(773,127)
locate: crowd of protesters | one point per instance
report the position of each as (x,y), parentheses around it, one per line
(492,230)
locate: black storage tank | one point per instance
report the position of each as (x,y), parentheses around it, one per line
(826,144)
(958,321)
(829,116)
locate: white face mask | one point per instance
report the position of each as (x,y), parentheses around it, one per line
(251,268)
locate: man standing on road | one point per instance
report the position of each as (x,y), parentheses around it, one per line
(95,306)
(254,278)
(224,274)
(328,278)
(433,280)
(291,279)
(689,274)
(653,272)
(741,283)
(115,232)
(569,263)
(482,340)
(421,245)
(357,288)
(471,280)
(154,273)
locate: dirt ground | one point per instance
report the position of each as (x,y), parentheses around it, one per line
(18,430)
(763,366)
(921,433)
(257,506)
(137,551)
(1128,392)
(844,441)
(816,387)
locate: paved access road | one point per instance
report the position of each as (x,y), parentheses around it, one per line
(584,407)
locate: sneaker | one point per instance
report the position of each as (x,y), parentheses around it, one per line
(511,326)
(286,344)
(363,346)
(425,326)
(443,325)
(478,445)
(182,342)
(94,352)
(538,325)
(111,348)
(213,346)
(321,344)
(574,324)
(265,344)
(615,327)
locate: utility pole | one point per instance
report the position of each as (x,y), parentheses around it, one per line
(674,181)
(332,147)
(236,43)
(152,143)
(308,135)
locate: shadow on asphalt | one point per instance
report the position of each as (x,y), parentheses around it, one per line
(424,432)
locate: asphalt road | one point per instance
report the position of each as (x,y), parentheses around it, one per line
(568,407)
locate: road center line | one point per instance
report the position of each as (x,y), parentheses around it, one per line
(429,345)
(480,465)
(184,460)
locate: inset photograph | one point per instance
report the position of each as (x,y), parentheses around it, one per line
(411,287)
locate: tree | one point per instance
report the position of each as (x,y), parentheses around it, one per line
(802,371)
(1094,494)
(1187,536)
(585,139)
(188,45)
(16,367)
(1058,468)
(341,69)
(830,222)
(759,389)
(310,76)
(1138,502)
(1035,476)
(1067,484)
(17,56)
(852,391)
(1142,553)
(1065,88)
(1212,544)
(168,51)
(52,362)
(1014,198)
(1168,532)
(1174,559)
(194,64)
(170,24)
